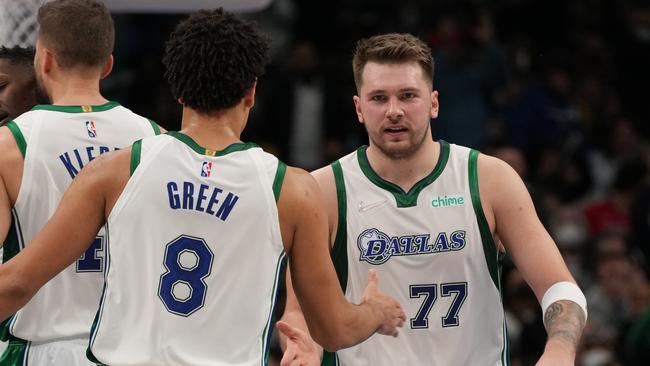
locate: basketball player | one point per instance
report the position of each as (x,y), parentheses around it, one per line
(17,91)
(198,224)
(42,151)
(433,219)
(17,82)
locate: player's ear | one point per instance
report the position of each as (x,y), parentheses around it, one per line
(108,67)
(435,106)
(249,98)
(357,108)
(48,61)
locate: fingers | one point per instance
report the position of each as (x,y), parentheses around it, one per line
(287,329)
(402,315)
(373,278)
(288,357)
(373,285)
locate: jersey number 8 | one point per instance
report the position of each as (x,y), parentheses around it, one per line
(182,287)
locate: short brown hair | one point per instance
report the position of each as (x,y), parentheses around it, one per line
(80,32)
(391,48)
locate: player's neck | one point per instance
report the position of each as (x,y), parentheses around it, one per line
(406,172)
(71,90)
(216,130)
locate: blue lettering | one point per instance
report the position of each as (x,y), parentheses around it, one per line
(457,239)
(201,198)
(76,154)
(227,206)
(188,193)
(421,241)
(65,158)
(89,151)
(172,192)
(441,243)
(371,252)
(103,149)
(406,241)
(213,200)
(393,247)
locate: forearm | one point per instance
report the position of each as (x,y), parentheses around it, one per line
(356,324)
(14,293)
(564,321)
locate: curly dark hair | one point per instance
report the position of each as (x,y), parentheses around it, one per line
(213,58)
(18,55)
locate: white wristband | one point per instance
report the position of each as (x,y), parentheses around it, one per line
(563,291)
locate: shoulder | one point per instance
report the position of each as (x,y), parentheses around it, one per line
(300,197)
(325,178)
(11,153)
(107,175)
(299,184)
(501,189)
(495,174)
(145,122)
(110,164)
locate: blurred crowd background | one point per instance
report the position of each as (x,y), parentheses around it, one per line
(558,89)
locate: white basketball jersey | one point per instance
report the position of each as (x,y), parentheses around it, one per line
(195,252)
(434,253)
(57,142)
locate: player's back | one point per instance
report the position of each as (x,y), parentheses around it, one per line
(194,256)
(56,142)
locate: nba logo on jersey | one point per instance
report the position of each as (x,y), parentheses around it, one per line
(90,127)
(206,168)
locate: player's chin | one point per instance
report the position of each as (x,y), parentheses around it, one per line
(398,148)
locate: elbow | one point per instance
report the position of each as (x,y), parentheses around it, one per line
(331,342)
(334,337)
(16,291)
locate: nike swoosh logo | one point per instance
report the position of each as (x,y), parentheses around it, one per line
(363,207)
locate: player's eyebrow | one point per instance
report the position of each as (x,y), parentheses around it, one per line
(402,90)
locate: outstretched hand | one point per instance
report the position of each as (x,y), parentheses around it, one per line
(301,350)
(393,314)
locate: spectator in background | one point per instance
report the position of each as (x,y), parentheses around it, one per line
(18,91)
(299,116)
(470,66)
(613,212)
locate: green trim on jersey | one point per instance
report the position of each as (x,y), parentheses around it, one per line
(489,247)
(98,316)
(404,199)
(279,178)
(18,136)
(76,108)
(4,330)
(238,146)
(16,353)
(14,240)
(493,257)
(156,128)
(136,152)
(12,246)
(329,359)
(339,250)
(270,325)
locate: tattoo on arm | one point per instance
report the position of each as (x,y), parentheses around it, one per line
(564,322)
